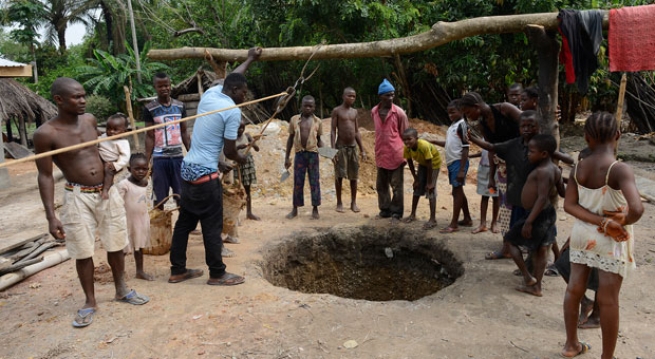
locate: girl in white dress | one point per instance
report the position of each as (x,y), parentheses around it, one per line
(603,197)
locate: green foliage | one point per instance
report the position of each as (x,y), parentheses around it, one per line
(26,15)
(107,74)
(100,107)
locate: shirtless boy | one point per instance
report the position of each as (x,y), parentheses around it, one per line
(345,137)
(536,230)
(305,137)
(83,212)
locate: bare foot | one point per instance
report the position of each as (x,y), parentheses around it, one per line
(529,281)
(340,207)
(354,208)
(481,228)
(253,217)
(409,219)
(533,290)
(494,228)
(145,276)
(586,307)
(293,213)
(315,213)
(430,224)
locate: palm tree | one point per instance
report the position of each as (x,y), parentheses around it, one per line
(60,13)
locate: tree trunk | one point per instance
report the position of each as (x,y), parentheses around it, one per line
(441,33)
(22,131)
(547,54)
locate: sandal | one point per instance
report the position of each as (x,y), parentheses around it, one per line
(84,317)
(134,298)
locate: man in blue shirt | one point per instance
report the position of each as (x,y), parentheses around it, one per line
(202,192)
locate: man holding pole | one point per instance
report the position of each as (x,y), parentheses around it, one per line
(202,192)
(84,212)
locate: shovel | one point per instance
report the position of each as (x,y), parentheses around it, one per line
(328,152)
(285,175)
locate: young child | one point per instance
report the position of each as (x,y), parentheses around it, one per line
(485,192)
(457,161)
(345,137)
(305,137)
(425,181)
(603,197)
(114,153)
(248,171)
(133,191)
(536,229)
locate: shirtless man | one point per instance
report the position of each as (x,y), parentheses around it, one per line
(83,212)
(346,162)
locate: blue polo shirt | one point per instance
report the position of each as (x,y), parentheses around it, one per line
(209,132)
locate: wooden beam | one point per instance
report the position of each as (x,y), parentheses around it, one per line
(22,71)
(441,33)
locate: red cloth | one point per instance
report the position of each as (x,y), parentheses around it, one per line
(389,137)
(566,58)
(632,38)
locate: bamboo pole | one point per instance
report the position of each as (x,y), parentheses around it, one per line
(128,104)
(96,141)
(619,106)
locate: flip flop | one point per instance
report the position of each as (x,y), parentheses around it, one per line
(227,253)
(495,255)
(231,240)
(584,349)
(227,279)
(448,230)
(134,298)
(84,317)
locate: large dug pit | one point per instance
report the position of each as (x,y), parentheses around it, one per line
(378,264)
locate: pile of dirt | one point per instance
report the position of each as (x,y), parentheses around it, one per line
(269,161)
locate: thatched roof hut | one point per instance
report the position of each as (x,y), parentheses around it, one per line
(17,102)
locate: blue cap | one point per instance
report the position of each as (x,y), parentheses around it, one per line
(385,87)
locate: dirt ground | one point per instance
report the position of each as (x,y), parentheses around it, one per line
(479,316)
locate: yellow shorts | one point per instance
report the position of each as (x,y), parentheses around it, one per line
(85,214)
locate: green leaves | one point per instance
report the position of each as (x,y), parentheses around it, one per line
(106,74)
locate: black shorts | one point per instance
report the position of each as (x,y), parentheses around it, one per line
(563,265)
(543,230)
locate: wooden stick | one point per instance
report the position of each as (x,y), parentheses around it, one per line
(128,104)
(95,142)
(619,106)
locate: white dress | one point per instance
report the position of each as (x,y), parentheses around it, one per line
(136,210)
(595,249)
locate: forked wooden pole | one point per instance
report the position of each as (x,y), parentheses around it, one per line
(619,106)
(128,104)
(95,142)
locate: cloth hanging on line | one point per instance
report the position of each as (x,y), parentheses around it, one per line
(632,38)
(583,31)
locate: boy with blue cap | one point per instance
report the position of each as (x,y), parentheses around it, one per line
(390,124)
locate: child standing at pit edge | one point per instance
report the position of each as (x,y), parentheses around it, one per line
(425,182)
(603,197)
(133,191)
(247,170)
(484,172)
(114,153)
(457,161)
(305,137)
(536,229)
